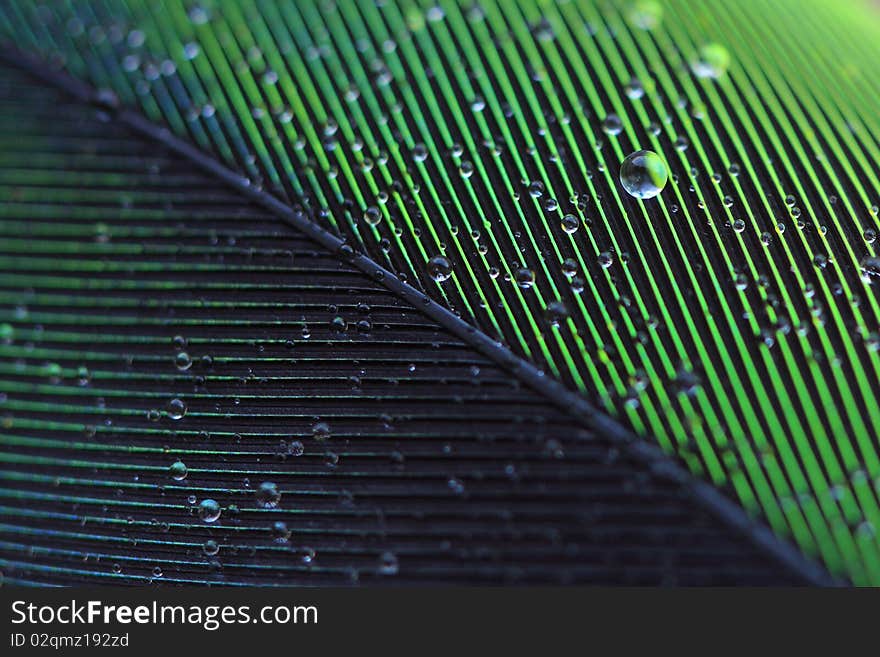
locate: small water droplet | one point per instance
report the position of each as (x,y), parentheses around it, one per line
(321,431)
(646,14)
(634,89)
(268,495)
(209,510)
(713,62)
(870,265)
(556,313)
(612,125)
(570,223)
(106,99)
(388,563)
(280,532)
(439,268)
(420,153)
(176,409)
(178,471)
(373,215)
(525,278)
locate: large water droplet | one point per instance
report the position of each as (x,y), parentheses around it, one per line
(643,174)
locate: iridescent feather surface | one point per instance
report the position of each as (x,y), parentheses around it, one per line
(719,300)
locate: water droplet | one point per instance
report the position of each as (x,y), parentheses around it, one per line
(321,431)
(570,223)
(280,532)
(388,564)
(439,268)
(176,409)
(178,471)
(210,548)
(191,50)
(373,215)
(420,153)
(643,174)
(209,510)
(53,372)
(268,495)
(525,278)
(634,89)
(106,99)
(713,62)
(687,382)
(612,125)
(7,332)
(556,313)
(199,15)
(646,14)
(870,265)
(182,361)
